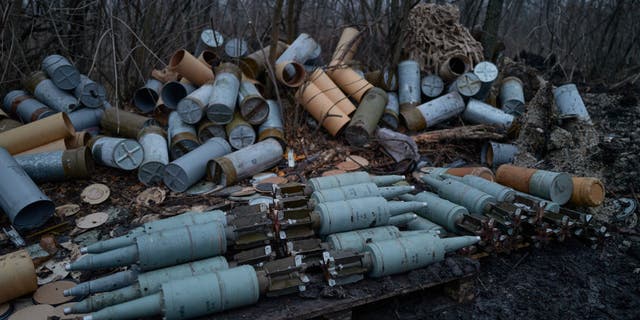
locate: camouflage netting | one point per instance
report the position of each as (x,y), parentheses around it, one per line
(435,34)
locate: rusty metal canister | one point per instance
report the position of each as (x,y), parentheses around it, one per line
(37,133)
(409,93)
(254,64)
(365,119)
(156,156)
(20,199)
(207,130)
(48,93)
(554,186)
(454,66)
(233,167)
(174,91)
(494,154)
(90,93)
(182,136)
(434,111)
(253,107)
(26,108)
(273,127)
(480,112)
(58,165)
(146,98)
(222,103)
(240,133)
(119,153)
(185,171)
(512,96)
(123,123)
(587,192)
(191,108)
(63,74)
(17,275)
(385,79)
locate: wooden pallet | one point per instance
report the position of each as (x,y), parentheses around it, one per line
(319,301)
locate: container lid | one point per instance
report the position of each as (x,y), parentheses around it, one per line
(52,293)
(190,111)
(128,154)
(40,311)
(67,210)
(242,136)
(93,220)
(151,172)
(211,38)
(236,48)
(432,86)
(468,84)
(486,71)
(150,196)
(203,187)
(95,194)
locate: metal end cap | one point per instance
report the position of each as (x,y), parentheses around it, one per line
(66,293)
(67,310)
(84,250)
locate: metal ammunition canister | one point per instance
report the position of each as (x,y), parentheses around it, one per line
(439,210)
(236,48)
(191,108)
(476,201)
(156,156)
(119,153)
(63,74)
(146,98)
(555,186)
(365,119)
(182,136)
(233,167)
(587,192)
(454,66)
(58,165)
(240,133)
(495,154)
(434,111)
(512,96)
(123,123)
(208,130)
(209,39)
(173,92)
(409,93)
(432,86)
(480,112)
(467,85)
(569,103)
(253,107)
(24,107)
(90,93)
(86,118)
(487,72)
(185,171)
(391,116)
(273,127)
(222,103)
(385,79)
(48,93)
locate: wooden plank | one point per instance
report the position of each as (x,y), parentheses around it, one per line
(319,299)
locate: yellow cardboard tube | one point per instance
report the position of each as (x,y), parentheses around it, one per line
(37,133)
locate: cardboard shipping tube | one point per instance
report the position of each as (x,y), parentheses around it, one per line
(17,275)
(209,58)
(60,144)
(329,88)
(347,45)
(256,63)
(515,177)
(189,67)
(482,172)
(587,192)
(350,82)
(37,133)
(292,81)
(321,107)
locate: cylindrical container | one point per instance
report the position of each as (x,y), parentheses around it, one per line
(553,186)
(253,107)
(209,39)
(512,96)
(209,58)
(587,192)
(434,111)
(222,103)
(80,139)
(61,144)
(495,154)
(240,133)
(19,103)
(409,83)
(331,90)
(385,79)
(17,275)
(20,199)
(182,137)
(90,93)
(125,154)
(322,108)
(401,220)
(123,123)
(255,63)
(502,193)
(354,214)
(487,72)
(63,74)
(352,83)
(192,107)
(189,67)
(355,191)
(37,133)
(480,112)
(48,93)
(438,210)
(482,172)
(208,130)
(58,165)
(236,48)
(231,168)
(366,118)
(86,118)
(185,171)
(300,50)
(273,127)
(356,240)
(291,73)
(173,92)
(146,98)
(454,66)
(467,85)
(569,103)
(345,179)
(156,156)
(390,117)
(471,198)
(432,86)
(222,290)
(347,45)
(422,224)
